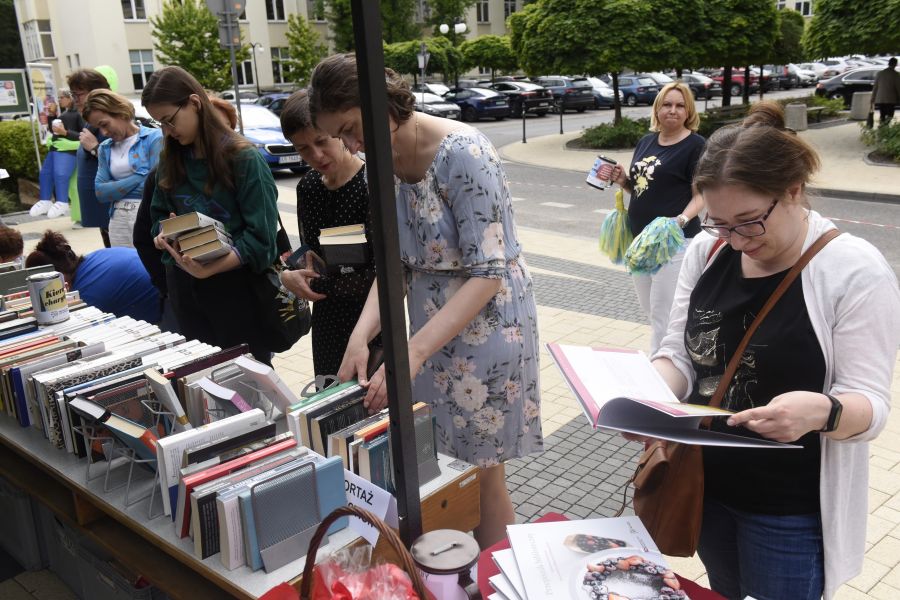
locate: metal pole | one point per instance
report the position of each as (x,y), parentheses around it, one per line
(524,141)
(379,168)
(561,111)
(34,115)
(255,69)
(237,92)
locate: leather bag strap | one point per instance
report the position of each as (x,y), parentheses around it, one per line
(732,366)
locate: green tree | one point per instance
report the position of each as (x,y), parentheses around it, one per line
(11,56)
(492,52)
(398,21)
(305,49)
(788,46)
(448,12)
(340,24)
(187,35)
(848,26)
(403,57)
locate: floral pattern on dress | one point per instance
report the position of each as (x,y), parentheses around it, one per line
(457,223)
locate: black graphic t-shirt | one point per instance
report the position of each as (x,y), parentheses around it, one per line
(783,356)
(661,178)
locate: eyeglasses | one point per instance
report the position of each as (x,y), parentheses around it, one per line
(78,95)
(170,124)
(749,229)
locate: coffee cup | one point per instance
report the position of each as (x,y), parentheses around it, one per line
(601,173)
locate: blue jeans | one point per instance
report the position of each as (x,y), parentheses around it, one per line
(768,557)
(55,174)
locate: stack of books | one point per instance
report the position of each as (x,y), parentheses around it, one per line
(199,236)
(344,249)
(584,560)
(335,423)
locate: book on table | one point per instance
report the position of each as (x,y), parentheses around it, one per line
(622,391)
(175,227)
(585,560)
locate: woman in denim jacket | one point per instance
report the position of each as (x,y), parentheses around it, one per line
(124,160)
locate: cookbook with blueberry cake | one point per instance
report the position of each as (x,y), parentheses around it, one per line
(592,559)
(621,390)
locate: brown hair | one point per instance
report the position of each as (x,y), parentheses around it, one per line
(295,115)
(692,121)
(11,244)
(87,80)
(54,249)
(226,109)
(109,102)
(215,139)
(759,154)
(334,87)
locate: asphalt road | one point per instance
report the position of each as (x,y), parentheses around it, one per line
(559,201)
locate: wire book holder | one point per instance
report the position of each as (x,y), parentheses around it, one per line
(91,433)
(286,514)
(229,374)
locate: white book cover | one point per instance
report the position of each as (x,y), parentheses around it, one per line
(165,395)
(268,380)
(622,391)
(503,587)
(583,560)
(170,449)
(506,562)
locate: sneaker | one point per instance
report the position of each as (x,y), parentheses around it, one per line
(41,207)
(59,209)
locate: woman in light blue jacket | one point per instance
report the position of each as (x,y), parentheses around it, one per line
(124,160)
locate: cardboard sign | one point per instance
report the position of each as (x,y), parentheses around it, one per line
(366,494)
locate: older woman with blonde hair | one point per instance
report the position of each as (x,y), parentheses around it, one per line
(124,160)
(659,181)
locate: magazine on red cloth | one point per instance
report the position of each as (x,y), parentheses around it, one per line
(622,391)
(589,559)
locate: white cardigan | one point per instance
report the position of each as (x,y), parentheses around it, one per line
(854,304)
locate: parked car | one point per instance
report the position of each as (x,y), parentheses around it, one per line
(535,99)
(834,66)
(462,84)
(846,84)
(638,89)
(432,104)
(263,129)
(806,77)
(702,86)
(141,114)
(438,89)
(245,95)
(274,101)
(784,76)
(570,93)
(479,103)
(603,93)
(737,81)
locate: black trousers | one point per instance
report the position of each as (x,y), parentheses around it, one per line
(219,310)
(886,113)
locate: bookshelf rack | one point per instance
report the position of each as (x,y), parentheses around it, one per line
(149,545)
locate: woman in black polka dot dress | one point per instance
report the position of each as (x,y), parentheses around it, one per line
(332,194)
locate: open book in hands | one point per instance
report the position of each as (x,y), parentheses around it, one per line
(622,391)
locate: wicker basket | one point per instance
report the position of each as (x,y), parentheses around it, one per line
(388,534)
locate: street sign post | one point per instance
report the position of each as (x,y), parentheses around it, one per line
(423,57)
(230,37)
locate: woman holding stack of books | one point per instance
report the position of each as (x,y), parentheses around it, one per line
(473,354)
(207,168)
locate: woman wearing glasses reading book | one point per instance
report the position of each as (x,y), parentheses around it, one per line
(473,353)
(332,194)
(781,523)
(207,167)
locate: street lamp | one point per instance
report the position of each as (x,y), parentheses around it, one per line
(458,29)
(256,47)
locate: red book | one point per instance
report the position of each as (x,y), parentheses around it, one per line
(31,344)
(187,484)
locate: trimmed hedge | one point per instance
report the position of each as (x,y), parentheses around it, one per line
(17,157)
(885,139)
(608,135)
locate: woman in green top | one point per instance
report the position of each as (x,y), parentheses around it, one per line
(208,168)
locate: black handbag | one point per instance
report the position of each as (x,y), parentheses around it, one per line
(284,318)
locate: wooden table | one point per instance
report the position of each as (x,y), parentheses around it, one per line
(150,547)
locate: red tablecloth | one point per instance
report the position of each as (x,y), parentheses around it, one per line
(487,568)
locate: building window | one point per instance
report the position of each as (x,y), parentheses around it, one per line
(69,60)
(509,7)
(804,8)
(280,66)
(77,61)
(245,73)
(315,10)
(423,11)
(484,71)
(141,67)
(133,10)
(481,11)
(275,10)
(780,4)
(38,41)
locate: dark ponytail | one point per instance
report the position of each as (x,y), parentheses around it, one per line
(54,249)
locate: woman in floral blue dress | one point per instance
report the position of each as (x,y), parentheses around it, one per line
(473,350)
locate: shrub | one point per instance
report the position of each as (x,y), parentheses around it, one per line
(885,139)
(608,135)
(8,203)
(832,107)
(17,150)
